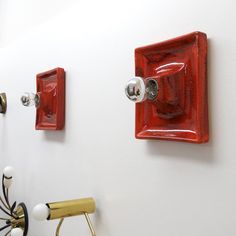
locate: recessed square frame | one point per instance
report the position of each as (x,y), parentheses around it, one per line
(192,126)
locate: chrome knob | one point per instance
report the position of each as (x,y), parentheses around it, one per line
(30,99)
(135,89)
(138,91)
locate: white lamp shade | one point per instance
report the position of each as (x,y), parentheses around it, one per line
(41,212)
(17,232)
(8,171)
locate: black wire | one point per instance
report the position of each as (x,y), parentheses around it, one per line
(4,227)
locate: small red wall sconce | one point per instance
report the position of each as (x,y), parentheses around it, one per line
(49,100)
(170,90)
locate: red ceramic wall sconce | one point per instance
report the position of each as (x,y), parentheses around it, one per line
(49,100)
(170,90)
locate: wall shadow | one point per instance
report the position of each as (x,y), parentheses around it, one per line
(55,136)
(99,224)
(184,151)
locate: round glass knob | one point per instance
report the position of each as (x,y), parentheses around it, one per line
(30,99)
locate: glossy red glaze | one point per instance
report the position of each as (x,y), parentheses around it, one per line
(180,111)
(50,113)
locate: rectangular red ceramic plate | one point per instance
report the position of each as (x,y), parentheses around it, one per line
(181,109)
(50,113)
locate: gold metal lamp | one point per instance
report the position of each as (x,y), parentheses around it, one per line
(61,210)
(3,103)
(16,219)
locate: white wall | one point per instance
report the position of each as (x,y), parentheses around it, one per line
(143,188)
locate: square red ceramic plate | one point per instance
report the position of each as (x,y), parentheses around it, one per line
(188,83)
(50,113)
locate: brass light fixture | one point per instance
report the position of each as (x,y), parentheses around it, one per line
(3,103)
(16,220)
(61,210)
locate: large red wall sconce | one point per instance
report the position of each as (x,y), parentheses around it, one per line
(49,100)
(170,90)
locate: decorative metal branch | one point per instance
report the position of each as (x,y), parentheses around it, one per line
(16,216)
